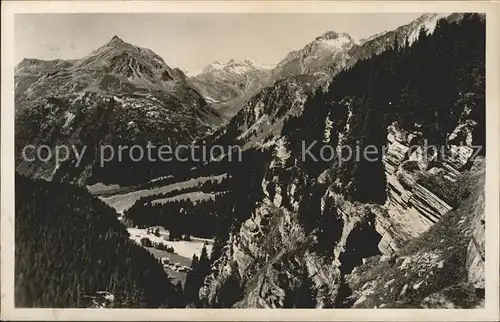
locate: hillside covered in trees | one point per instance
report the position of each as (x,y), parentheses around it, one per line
(212,218)
(70,245)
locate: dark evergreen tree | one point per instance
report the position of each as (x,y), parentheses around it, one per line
(303,295)
(196,277)
(230,292)
(191,285)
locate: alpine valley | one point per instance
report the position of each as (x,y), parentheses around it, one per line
(282,228)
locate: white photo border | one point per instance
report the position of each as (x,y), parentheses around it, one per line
(489,312)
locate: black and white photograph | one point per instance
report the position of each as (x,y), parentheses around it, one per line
(249,160)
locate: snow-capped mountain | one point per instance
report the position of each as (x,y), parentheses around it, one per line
(302,71)
(227,85)
(331,47)
(234,67)
(230,85)
(331,52)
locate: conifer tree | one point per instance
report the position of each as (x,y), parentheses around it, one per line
(230,292)
(303,295)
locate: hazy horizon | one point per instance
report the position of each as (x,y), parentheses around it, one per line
(191,41)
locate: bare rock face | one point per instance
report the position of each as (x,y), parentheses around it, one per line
(460,141)
(442,268)
(329,48)
(442,265)
(476,249)
(271,247)
(262,117)
(412,206)
(395,254)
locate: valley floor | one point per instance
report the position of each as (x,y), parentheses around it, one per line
(183,250)
(122,198)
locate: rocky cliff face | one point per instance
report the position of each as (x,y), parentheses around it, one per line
(442,268)
(376,44)
(362,234)
(261,119)
(272,247)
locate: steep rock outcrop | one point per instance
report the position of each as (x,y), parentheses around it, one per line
(273,246)
(262,117)
(330,49)
(412,207)
(442,268)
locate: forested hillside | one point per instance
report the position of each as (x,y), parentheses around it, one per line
(213,218)
(69,246)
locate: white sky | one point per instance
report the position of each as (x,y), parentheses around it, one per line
(190,41)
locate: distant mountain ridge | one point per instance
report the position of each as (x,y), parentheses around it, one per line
(379,42)
(331,52)
(236,76)
(231,83)
(308,68)
(320,59)
(156,101)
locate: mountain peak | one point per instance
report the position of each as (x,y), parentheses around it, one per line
(117,39)
(328,35)
(216,65)
(332,35)
(334,41)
